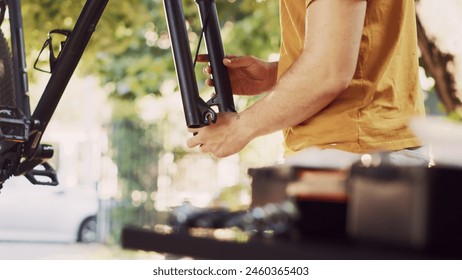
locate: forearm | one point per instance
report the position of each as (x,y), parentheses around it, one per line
(295,98)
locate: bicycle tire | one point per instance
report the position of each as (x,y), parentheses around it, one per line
(7,89)
(9,151)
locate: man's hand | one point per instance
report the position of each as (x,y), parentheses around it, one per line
(227,136)
(248,75)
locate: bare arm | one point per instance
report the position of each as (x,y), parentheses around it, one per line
(322,72)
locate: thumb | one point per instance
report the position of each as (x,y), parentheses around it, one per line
(237,61)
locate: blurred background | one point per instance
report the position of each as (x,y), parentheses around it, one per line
(119,131)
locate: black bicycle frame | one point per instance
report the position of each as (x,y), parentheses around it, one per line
(33,152)
(199,113)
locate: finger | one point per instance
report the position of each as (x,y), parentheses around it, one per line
(193,142)
(207,70)
(227,61)
(202,58)
(238,61)
(209,82)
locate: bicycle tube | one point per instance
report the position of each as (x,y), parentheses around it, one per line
(198,113)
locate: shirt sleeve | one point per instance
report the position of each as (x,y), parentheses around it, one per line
(308,2)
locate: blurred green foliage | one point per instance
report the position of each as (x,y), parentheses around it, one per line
(130,54)
(456,115)
(130,48)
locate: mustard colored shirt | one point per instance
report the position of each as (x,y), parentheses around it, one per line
(374,111)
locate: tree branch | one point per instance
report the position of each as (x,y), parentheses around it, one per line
(440,66)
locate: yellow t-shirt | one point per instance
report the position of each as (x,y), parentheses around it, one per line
(374,111)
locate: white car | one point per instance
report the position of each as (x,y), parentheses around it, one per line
(47,213)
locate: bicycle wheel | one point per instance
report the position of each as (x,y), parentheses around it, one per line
(7,92)
(9,151)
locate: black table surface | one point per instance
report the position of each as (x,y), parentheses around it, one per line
(183,244)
